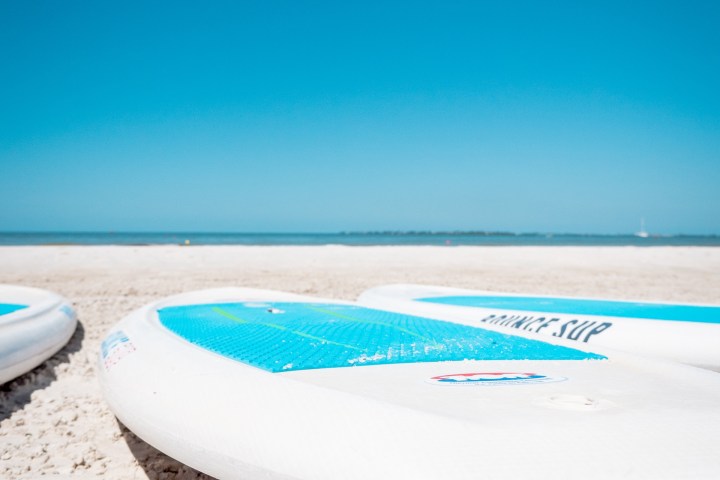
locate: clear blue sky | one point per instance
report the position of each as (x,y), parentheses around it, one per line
(328,116)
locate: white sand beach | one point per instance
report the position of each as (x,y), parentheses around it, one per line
(53,420)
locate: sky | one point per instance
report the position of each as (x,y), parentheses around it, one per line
(270,116)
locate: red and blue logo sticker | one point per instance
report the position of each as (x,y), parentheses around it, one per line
(114,348)
(492,379)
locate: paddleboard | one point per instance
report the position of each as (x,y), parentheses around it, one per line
(680,332)
(34,325)
(255,384)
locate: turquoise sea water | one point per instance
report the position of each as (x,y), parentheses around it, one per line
(353,238)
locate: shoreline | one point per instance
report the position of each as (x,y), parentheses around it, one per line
(406,238)
(350,245)
(53,420)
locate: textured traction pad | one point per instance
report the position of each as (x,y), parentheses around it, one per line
(648,311)
(280,336)
(6,308)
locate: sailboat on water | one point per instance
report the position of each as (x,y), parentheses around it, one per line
(642,233)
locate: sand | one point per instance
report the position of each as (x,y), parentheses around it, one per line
(53,420)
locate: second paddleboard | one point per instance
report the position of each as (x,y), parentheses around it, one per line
(681,332)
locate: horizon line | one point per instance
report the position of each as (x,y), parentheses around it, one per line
(347,232)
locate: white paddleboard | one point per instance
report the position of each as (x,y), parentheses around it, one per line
(254,384)
(34,325)
(681,332)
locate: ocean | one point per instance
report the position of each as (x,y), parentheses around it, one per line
(351,239)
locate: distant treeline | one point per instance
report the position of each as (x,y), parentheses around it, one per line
(484,233)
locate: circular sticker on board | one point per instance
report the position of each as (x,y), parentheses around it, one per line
(493,379)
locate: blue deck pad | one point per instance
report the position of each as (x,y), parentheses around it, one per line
(279,336)
(648,311)
(6,308)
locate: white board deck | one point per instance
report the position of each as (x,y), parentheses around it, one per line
(687,333)
(34,325)
(257,384)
